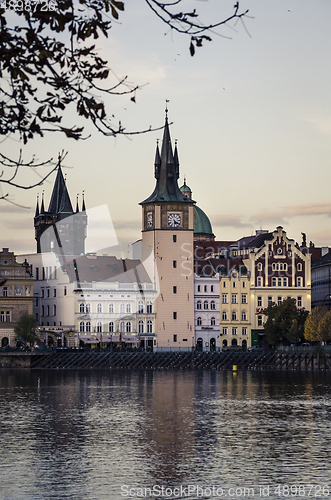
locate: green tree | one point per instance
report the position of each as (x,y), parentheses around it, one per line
(285,322)
(26,328)
(318,325)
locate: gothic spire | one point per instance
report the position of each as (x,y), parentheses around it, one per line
(60,200)
(166,171)
(37,207)
(83,206)
(42,208)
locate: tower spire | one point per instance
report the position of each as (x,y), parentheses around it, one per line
(83,206)
(37,207)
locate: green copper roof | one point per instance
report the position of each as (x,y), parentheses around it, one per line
(201,223)
(185,188)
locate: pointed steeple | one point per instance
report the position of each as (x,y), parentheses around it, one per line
(157,163)
(166,172)
(37,207)
(77,207)
(42,208)
(60,201)
(83,206)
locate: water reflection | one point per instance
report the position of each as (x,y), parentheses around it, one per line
(82,435)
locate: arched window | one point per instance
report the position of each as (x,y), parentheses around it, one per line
(234,316)
(99,308)
(88,326)
(81,307)
(140,307)
(199,321)
(111,308)
(199,304)
(149,326)
(224,315)
(140,326)
(299,266)
(213,321)
(243,316)
(128,327)
(225,343)
(128,308)
(122,308)
(122,326)
(205,304)
(111,327)
(99,327)
(149,307)
(259,266)
(81,327)
(234,341)
(212,305)
(88,308)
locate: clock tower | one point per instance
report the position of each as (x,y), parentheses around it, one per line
(167,231)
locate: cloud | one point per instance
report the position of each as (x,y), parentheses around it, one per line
(282,215)
(223,220)
(267,216)
(128,225)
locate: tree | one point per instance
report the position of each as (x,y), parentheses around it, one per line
(318,325)
(284,321)
(51,73)
(26,328)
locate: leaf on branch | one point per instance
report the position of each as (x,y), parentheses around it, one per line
(192,49)
(72,133)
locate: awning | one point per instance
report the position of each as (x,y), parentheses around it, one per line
(89,339)
(130,339)
(110,338)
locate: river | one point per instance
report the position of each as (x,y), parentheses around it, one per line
(96,435)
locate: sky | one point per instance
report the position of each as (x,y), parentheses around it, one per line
(251,112)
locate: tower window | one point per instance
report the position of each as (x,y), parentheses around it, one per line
(174,238)
(174,314)
(175,338)
(174,264)
(174,288)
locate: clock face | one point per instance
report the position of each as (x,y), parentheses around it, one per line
(174,220)
(150,220)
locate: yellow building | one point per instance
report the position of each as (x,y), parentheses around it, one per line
(16,294)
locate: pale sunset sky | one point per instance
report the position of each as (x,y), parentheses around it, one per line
(251,112)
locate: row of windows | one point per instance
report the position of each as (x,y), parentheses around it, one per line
(124,327)
(234,284)
(279,301)
(45,311)
(47,272)
(234,316)
(234,331)
(48,292)
(212,321)
(124,308)
(205,288)
(206,304)
(234,298)
(279,281)
(280,266)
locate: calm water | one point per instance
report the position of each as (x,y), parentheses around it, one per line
(101,435)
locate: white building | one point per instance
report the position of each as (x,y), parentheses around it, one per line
(206,312)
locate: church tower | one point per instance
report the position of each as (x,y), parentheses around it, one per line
(167,229)
(60,230)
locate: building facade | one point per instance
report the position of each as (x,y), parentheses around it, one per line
(321,280)
(207,312)
(16,294)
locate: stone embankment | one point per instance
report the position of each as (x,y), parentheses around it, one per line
(73,360)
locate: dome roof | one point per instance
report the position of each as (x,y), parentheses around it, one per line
(185,189)
(201,223)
